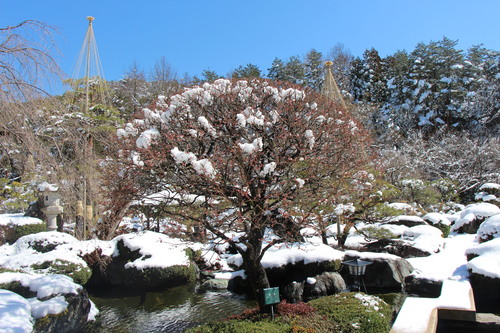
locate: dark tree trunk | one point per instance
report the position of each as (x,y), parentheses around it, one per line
(253,267)
(257,276)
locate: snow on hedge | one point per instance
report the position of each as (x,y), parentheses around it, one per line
(22,255)
(18,219)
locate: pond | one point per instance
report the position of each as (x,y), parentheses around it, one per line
(172,310)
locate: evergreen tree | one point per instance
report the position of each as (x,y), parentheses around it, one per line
(294,71)
(248,71)
(209,75)
(313,68)
(277,70)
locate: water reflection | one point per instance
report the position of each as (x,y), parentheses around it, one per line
(172,310)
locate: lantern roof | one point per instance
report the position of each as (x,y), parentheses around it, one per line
(357,262)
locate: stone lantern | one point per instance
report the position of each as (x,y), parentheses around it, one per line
(51,203)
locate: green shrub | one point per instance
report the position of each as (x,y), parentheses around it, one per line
(355,312)
(445,229)
(79,273)
(15,196)
(382,210)
(262,326)
(27,229)
(376,233)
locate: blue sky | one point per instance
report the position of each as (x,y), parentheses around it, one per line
(222,35)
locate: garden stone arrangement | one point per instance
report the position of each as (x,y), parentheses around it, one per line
(45,273)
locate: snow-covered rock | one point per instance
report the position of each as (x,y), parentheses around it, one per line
(484,268)
(407,220)
(472,217)
(489,229)
(387,271)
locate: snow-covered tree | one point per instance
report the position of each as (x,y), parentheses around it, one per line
(276,72)
(314,73)
(238,153)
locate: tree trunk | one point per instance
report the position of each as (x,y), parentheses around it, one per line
(257,276)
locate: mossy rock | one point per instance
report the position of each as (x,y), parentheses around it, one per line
(18,288)
(355,312)
(79,273)
(71,320)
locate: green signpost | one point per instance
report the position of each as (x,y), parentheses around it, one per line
(271,297)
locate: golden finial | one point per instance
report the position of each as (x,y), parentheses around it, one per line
(328,63)
(90,18)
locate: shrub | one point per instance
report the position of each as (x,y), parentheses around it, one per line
(376,233)
(355,312)
(23,230)
(445,229)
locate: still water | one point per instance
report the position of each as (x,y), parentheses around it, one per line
(171,310)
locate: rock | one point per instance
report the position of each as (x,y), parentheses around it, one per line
(439,221)
(387,272)
(324,284)
(116,272)
(483,266)
(399,248)
(293,292)
(472,217)
(421,287)
(286,274)
(213,285)
(73,319)
(239,285)
(57,304)
(489,229)
(486,292)
(407,220)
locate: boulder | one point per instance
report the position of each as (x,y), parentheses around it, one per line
(489,229)
(472,217)
(119,272)
(387,271)
(299,271)
(324,284)
(73,319)
(213,285)
(407,220)
(401,248)
(484,268)
(57,304)
(422,287)
(486,292)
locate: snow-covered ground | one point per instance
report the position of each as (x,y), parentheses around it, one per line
(448,263)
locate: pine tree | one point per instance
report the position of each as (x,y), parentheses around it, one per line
(294,71)
(313,68)
(277,70)
(248,71)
